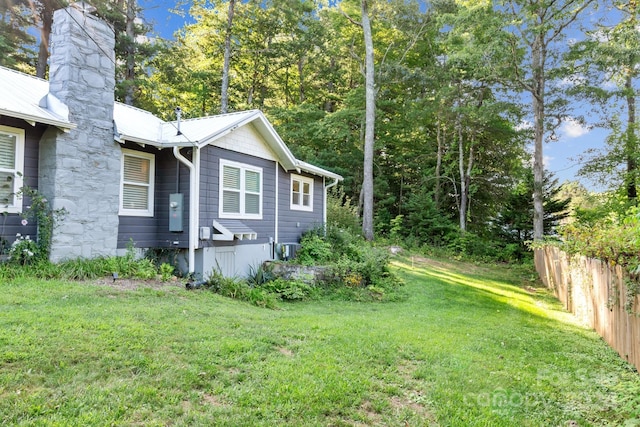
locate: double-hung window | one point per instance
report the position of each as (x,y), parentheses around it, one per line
(301,193)
(240,190)
(136,191)
(11,168)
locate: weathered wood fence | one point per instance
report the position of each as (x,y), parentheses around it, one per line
(596,294)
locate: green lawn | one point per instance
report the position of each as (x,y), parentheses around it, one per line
(470,346)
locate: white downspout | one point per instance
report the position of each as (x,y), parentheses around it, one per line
(194,195)
(275,237)
(324,204)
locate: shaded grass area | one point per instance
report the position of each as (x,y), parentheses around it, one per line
(470,346)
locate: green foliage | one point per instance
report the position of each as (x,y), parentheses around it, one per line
(233,287)
(341,212)
(166,272)
(288,290)
(27,251)
(314,250)
(144,269)
(442,356)
(359,270)
(614,239)
(259,275)
(24,251)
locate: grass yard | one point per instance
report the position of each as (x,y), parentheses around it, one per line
(469,346)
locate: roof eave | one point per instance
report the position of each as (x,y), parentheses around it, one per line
(31,119)
(315,170)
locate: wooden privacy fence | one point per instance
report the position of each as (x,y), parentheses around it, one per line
(596,294)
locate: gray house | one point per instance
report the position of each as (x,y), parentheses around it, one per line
(223,192)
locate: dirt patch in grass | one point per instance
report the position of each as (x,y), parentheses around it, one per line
(135,284)
(285,351)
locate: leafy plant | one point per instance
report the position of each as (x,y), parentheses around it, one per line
(314,250)
(290,290)
(259,275)
(166,272)
(45,216)
(24,251)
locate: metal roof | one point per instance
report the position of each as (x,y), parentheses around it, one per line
(27,97)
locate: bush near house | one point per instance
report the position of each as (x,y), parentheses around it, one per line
(358,271)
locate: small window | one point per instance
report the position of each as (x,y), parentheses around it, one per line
(136,192)
(11,168)
(301,193)
(240,191)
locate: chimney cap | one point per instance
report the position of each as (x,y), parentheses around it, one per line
(84,7)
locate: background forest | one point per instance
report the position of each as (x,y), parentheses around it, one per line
(466,93)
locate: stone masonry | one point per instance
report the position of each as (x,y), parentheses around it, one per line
(80,170)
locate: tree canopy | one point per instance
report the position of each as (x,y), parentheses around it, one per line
(435,93)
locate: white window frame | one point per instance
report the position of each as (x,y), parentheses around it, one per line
(15,206)
(243,169)
(300,206)
(150,186)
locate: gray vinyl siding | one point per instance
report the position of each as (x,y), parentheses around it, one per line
(153,232)
(10,224)
(292,223)
(210,193)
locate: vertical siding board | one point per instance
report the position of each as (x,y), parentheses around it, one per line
(596,294)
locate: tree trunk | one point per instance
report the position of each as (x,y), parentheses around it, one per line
(538,61)
(464,193)
(370,117)
(224,92)
(440,139)
(46,20)
(130,73)
(301,94)
(631,142)
(330,103)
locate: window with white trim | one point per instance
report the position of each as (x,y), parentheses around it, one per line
(301,193)
(240,190)
(137,179)
(11,168)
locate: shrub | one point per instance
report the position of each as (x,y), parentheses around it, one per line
(314,250)
(289,290)
(144,269)
(260,275)
(359,270)
(166,272)
(24,251)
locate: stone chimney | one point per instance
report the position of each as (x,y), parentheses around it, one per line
(80,170)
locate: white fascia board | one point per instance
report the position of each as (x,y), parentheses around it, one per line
(32,120)
(315,170)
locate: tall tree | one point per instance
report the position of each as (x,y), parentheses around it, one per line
(224,91)
(370,121)
(540,25)
(607,66)
(14,37)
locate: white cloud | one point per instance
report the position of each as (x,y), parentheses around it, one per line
(571,128)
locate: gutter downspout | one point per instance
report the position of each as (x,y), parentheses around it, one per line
(194,195)
(324,204)
(275,237)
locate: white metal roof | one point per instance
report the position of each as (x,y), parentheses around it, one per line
(27,97)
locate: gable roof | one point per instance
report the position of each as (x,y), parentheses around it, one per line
(27,97)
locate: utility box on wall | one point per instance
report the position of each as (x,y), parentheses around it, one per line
(176,208)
